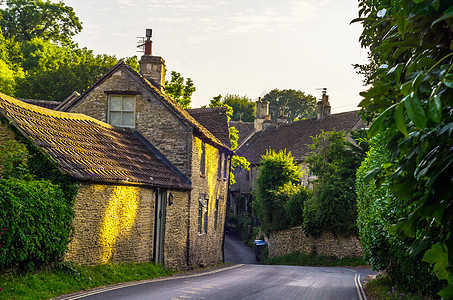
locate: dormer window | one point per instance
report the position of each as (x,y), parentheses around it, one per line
(121,110)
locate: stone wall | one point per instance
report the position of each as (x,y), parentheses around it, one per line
(206,248)
(153,119)
(294,240)
(112,223)
(176,230)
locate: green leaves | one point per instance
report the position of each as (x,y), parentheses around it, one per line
(415,110)
(438,257)
(414,115)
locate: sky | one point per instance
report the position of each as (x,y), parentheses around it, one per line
(240,47)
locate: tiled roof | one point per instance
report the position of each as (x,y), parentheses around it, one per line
(88,149)
(215,120)
(244,128)
(43,103)
(167,100)
(295,136)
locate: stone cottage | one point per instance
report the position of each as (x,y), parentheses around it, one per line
(131,203)
(263,134)
(196,142)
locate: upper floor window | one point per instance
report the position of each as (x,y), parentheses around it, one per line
(203,159)
(225,166)
(219,167)
(121,110)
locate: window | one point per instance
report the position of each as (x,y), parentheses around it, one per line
(216,213)
(121,110)
(247,175)
(219,167)
(203,159)
(225,166)
(205,228)
(202,212)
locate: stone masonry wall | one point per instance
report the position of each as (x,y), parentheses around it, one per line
(206,248)
(176,229)
(294,240)
(153,119)
(112,223)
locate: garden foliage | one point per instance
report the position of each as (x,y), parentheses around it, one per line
(411,100)
(332,207)
(378,210)
(36,216)
(279,197)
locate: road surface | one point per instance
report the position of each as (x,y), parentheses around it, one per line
(237,252)
(245,282)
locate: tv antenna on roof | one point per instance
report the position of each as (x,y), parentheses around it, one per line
(324,90)
(142,40)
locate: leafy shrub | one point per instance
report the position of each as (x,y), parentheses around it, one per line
(35,215)
(276,171)
(294,205)
(378,210)
(332,206)
(13,159)
(35,220)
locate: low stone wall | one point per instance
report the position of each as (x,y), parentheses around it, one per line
(294,240)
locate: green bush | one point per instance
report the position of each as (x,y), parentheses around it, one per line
(378,210)
(36,215)
(35,220)
(333,204)
(276,171)
(294,205)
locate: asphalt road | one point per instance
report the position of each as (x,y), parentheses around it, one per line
(237,252)
(245,282)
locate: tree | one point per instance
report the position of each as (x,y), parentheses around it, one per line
(411,103)
(24,20)
(296,104)
(180,91)
(53,72)
(243,107)
(334,161)
(276,172)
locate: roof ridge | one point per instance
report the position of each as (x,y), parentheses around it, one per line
(55,113)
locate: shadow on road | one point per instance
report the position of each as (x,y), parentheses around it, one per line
(237,252)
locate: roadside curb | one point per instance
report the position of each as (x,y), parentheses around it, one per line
(104,289)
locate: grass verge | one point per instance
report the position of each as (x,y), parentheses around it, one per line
(302,259)
(382,288)
(68,278)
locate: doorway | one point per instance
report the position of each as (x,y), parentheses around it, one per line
(159,226)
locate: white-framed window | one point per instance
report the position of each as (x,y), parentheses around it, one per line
(121,110)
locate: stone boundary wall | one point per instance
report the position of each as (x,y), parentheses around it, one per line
(294,240)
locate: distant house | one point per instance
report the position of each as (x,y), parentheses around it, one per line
(154,177)
(294,137)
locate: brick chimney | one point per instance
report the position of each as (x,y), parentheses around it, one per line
(152,67)
(323,106)
(262,113)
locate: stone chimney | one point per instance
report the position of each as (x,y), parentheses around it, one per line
(323,106)
(262,112)
(282,119)
(152,67)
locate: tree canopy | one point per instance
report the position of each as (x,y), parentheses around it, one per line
(179,90)
(411,102)
(243,107)
(296,104)
(24,20)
